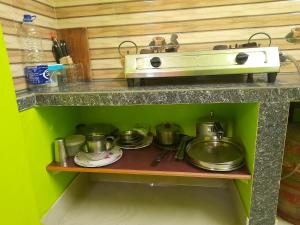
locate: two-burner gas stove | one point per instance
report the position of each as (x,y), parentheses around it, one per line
(220,61)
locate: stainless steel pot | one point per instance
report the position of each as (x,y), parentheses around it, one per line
(168,134)
(98,143)
(209,128)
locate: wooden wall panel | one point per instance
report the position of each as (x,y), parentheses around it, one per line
(182,15)
(141,6)
(200,25)
(11,15)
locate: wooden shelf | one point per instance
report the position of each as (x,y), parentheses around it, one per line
(138,162)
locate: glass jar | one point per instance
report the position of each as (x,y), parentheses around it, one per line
(57,75)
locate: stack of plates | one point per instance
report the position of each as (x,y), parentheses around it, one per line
(215,155)
(134,139)
(98,159)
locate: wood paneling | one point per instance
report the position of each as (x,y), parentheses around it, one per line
(182,15)
(12,12)
(47,2)
(196,25)
(32,6)
(125,7)
(11,27)
(15,14)
(15,56)
(199,24)
(78,43)
(64,3)
(194,37)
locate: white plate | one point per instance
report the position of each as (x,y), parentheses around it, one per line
(93,160)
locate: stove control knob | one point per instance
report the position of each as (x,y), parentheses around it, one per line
(155,62)
(241,58)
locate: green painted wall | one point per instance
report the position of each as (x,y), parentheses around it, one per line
(245,128)
(27,189)
(40,127)
(18,205)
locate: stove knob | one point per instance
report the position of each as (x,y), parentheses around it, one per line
(241,58)
(155,62)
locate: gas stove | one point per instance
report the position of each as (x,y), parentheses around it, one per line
(222,61)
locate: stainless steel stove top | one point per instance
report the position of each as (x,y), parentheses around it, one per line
(204,63)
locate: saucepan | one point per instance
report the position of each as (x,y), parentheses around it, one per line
(168,134)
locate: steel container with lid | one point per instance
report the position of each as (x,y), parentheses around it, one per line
(209,127)
(168,133)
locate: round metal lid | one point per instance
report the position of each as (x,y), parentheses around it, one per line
(213,153)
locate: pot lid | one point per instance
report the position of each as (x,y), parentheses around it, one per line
(215,152)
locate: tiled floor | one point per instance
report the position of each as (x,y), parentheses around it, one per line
(282,222)
(139,204)
(110,204)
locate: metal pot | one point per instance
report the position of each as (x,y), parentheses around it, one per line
(168,134)
(98,143)
(209,128)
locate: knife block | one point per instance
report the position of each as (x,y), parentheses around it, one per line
(77,41)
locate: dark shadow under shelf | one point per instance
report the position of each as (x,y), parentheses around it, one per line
(138,162)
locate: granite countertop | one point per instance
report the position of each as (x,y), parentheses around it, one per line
(286,88)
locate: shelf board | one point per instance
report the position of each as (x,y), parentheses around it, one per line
(138,162)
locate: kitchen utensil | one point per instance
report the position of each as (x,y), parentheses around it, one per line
(92,160)
(60,153)
(74,144)
(181,148)
(160,157)
(168,134)
(209,128)
(215,154)
(96,128)
(97,143)
(165,149)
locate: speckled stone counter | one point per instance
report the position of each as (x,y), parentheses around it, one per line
(274,100)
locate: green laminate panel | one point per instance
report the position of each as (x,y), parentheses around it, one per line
(27,189)
(245,128)
(40,127)
(18,204)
